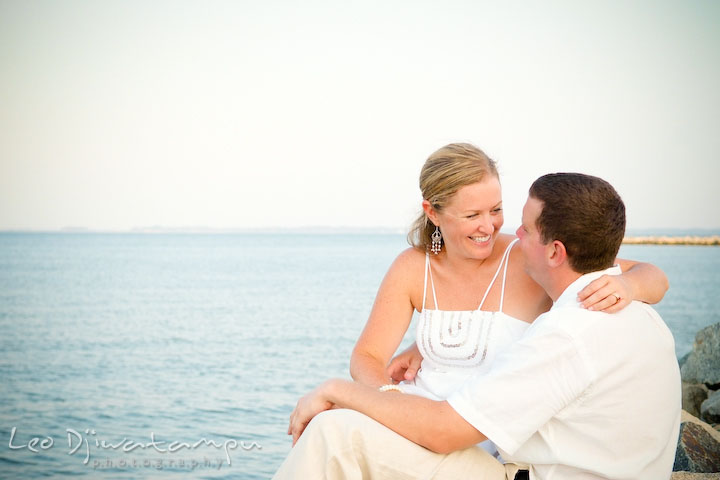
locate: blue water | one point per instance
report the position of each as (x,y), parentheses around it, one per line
(113,340)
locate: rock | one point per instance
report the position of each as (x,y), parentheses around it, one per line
(694,476)
(683,359)
(703,364)
(710,408)
(693,395)
(697,450)
(686,417)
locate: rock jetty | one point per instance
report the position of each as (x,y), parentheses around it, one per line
(666,240)
(698,452)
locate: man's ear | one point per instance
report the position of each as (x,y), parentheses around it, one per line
(557,255)
(430,212)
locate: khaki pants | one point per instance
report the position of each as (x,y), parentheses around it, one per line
(345,444)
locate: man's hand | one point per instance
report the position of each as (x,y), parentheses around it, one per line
(405,365)
(306,409)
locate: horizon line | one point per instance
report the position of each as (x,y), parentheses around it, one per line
(158,229)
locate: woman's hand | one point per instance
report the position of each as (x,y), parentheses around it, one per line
(306,409)
(405,365)
(609,294)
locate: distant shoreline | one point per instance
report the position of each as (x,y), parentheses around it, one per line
(674,240)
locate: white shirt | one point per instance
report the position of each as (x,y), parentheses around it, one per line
(582,394)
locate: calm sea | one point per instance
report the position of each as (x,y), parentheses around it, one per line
(181,355)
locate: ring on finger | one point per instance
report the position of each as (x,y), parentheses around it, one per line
(617,297)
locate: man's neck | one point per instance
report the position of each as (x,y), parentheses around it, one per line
(558,281)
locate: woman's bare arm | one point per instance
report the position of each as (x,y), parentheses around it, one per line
(389,320)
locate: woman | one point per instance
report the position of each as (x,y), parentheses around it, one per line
(467,282)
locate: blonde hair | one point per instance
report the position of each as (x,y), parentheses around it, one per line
(446,171)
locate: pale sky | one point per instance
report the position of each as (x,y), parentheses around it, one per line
(239,114)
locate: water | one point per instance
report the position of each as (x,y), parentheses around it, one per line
(115,340)
(691,302)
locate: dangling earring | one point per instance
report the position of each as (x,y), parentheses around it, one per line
(436,238)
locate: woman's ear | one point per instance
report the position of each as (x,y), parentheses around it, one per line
(430,212)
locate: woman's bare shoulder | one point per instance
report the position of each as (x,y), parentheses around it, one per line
(404,278)
(502,241)
(517,267)
(505,238)
(410,259)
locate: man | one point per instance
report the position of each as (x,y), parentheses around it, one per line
(582,394)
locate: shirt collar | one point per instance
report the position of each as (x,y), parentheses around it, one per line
(569,296)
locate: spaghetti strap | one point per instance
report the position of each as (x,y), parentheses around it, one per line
(500,267)
(507,262)
(432,283)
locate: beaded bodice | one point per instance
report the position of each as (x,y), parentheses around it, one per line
(464,339)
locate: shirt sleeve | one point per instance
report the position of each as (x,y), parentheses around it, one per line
(529,383)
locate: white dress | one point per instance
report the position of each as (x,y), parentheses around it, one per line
(456,345)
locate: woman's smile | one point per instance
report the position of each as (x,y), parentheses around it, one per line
(481,240)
